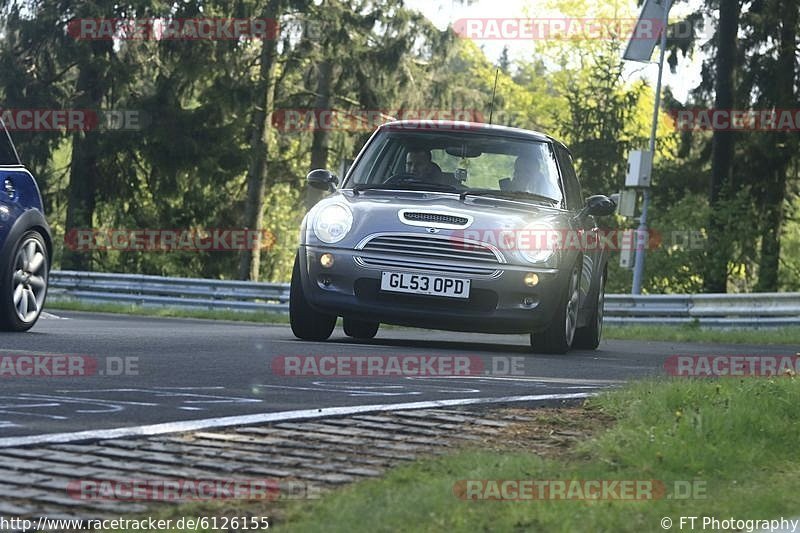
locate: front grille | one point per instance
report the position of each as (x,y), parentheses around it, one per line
(436,218)
(431,247)
(429,267)
(430,253)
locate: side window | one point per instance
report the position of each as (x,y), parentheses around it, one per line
(8,156)
(571,184)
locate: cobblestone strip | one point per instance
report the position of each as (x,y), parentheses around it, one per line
(327,453)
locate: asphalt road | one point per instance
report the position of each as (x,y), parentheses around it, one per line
(140,371)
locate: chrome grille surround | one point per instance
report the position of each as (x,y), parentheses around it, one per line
(429,253)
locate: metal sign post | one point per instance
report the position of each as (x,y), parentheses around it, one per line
(641,49)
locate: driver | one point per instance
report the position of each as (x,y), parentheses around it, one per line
(420,163)
(527,172)
(530,176)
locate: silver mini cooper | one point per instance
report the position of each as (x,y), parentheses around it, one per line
(454,226)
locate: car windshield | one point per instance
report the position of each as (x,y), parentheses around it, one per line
(466,163)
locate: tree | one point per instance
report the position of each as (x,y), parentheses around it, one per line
(775,74)
(250,262)
(723,143)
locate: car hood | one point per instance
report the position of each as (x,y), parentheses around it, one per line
(380,211)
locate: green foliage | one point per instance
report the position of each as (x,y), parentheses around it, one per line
(790,249)
(674,266)
(186,168)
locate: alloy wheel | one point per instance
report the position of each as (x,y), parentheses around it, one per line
(29,280)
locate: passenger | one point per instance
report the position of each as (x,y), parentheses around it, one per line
(420,163)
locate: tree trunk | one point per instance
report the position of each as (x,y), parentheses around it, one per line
(722,151)
(319,145)
(250,260)
(780,153)
(83,165)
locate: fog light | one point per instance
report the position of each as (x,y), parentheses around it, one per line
(326,260)
(528,301)
(531,279)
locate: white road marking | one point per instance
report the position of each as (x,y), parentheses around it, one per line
(529,378)
(16,405)
(263,418)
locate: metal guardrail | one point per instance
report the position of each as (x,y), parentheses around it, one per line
(713,310)
(158,291)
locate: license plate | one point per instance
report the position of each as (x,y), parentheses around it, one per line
(425,284)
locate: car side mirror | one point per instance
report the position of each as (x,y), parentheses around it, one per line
(599,206)
(322,179)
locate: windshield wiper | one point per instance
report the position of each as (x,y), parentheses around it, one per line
(415,186)
(509,195)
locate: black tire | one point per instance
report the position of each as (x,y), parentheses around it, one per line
(10,320)
(589,336)
(307,324)
(558,337)
(359,329)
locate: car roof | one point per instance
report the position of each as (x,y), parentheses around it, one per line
(469,127)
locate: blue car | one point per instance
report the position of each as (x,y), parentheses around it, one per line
(26,244)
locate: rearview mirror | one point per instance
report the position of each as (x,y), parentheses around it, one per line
(599,206)
(463,151)
(322,179)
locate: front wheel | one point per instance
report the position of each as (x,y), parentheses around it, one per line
(307,324)
(359,329)
(588,337)
(560,333)
(24,285)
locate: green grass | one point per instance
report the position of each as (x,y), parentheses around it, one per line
(786,335)
(645,333)
(736,438)
(137,310)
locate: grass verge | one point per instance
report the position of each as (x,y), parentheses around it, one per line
(138,310)
(787,335)
(732,441)
(643,333)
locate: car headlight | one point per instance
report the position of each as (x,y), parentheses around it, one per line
(332,223)
(538,243)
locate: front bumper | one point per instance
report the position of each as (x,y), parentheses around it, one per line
(497,302)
